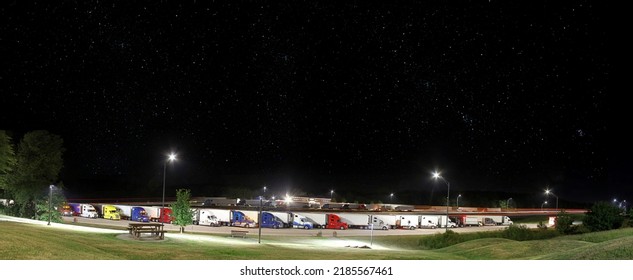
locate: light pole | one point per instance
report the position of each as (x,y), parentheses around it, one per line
(544,203)
(458,201)
(50,203)
(508,203)
(436,175)
(391,198)
(264,192)
(171,158)
(548,192)
(331,195)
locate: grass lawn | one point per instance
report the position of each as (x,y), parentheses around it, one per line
(32,241)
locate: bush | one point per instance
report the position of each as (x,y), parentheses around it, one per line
(564,223)
(541,225)
(603,216)
(441,240)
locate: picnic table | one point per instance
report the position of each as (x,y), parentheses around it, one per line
(154,229)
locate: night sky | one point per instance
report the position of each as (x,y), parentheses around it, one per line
(310,96)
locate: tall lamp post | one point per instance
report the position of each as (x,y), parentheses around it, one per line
(508,203)
(50,203)
(458,201)
(436,175)
(391,198)
(544,203)
(548,192)
(331,194)
(171,158)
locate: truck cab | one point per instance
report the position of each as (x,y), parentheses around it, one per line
(270,221)
(88,211)
(110,212)
(299,221)
(139,214)
(334,222)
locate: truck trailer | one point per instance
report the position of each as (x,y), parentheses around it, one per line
(407,221)
(359,221)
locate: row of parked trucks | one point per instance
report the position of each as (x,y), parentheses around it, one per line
(277,219)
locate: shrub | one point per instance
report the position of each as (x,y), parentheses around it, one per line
(441,240)
(541,225)
(603,216)
(564,223)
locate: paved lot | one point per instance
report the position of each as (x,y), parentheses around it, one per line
(288,231)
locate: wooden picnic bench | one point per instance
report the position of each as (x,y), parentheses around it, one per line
(239,233)
(154,229)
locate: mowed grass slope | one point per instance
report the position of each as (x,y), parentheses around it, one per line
(26,241)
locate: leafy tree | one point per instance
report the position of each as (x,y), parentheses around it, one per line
(182,209)
(603,216)
(39,160)
(42,205)
(564,223)
(7,158)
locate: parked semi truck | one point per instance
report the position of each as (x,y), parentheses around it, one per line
(407,221)
(110,212)
(322,220)
(132,213)
(285,217)
(360,221)
(388,220)
(334,222)
(495,220)
(240,219)
(213,217)
(66,210)
(268,220)
(159,214)
(84,210)
(468,221)
(428,221)
(301,221)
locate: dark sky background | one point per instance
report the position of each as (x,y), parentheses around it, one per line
(308,96)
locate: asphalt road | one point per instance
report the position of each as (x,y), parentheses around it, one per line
(122,224)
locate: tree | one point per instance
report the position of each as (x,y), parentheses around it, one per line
(39,160)
(7,158)
(42,206)
(603,216)
(182,209)
(564,223)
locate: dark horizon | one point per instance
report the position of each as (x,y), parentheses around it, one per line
(308,97)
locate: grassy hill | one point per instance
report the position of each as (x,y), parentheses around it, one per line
(33,241)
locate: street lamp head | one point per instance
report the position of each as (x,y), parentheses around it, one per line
(51,187)
(615,200)
(172,157)
(391,194)
(332,191)
(459,195)
(436,175)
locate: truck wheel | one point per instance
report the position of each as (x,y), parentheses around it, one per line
(342,228)
(247,225)
(384,228)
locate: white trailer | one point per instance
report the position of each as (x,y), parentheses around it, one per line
(153,212)
(317,219)
(208,217)
(439,221)
(407,221)
(220,201)
(360,221)
(88,211)
(378,223)
(124,210)
(490,220)
(388,220)
(222,216)
(427,221)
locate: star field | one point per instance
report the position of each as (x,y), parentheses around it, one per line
(314,95)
